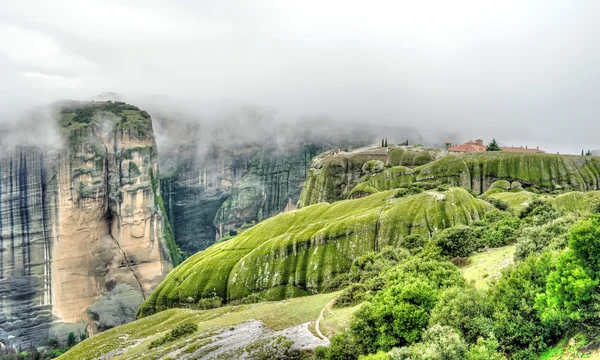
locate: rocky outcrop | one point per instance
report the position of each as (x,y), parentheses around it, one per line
(295,253)
(336,177)
(81,226)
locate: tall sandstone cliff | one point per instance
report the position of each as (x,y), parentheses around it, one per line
(82,238)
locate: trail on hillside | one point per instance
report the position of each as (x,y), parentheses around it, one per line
(318,323)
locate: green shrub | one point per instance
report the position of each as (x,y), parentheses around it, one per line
(456,241)
(209,303)
(485,349)
(396,316)
(414,243)
(439,343)
(517,324)
(464,309)
(252,299)
(71,339)
(53,342)
(177,332)
(352,295)
(379,356)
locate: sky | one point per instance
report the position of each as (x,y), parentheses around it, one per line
(524,72)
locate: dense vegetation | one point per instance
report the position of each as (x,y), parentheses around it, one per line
(416,305)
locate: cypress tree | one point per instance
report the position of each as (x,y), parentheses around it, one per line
(493,146)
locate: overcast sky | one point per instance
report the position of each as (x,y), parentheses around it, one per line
(526,72)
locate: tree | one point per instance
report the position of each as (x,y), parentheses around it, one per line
(71,339)
(439,343)
(381,142)
(581,152)
(395,317)
(385,142)
(493,146)
(589,153)
(456,241)
(465,310)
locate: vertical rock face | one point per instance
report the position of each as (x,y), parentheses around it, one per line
(197,187)
(271,185)
(83,240)
(208,195)
(28,197)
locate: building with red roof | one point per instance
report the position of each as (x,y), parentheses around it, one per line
(478,146)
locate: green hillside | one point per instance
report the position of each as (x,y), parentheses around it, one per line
(295,253)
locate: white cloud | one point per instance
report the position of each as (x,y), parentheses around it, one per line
(27,48)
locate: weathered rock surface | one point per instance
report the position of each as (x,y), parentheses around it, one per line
(80,223)
(335,177)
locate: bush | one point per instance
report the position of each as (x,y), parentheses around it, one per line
(395,317)
(379,356)
(539,212)
(535,239)
(464,309)
(439,343)
(342,347)
(498,204)
(352,295)
(485,349)
(252,299)
(71,339)
(439,273)
(517,324)
(414,243)
(570,290)
(53,343)
(456,241)
(209,303)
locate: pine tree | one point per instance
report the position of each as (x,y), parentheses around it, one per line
(493,146)
(382,142)
(581,152)
(589,153)
(406,143)
(385,142)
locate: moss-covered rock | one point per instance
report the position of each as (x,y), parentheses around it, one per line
(294,253)
(479,172)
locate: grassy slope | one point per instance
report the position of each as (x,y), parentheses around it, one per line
(131,341)
(296,252)
(488,265)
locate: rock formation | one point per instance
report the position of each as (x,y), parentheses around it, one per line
(82,237)
(340,176)
(295,253)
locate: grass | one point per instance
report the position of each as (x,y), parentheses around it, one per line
(131,341)
(337,320)
(488,265)
(579,346)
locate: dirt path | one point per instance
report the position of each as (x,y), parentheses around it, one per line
(318,323)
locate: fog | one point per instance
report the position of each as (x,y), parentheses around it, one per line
(525,73)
